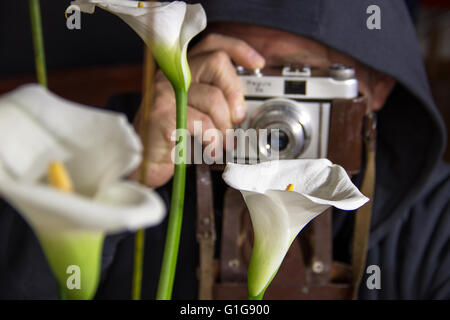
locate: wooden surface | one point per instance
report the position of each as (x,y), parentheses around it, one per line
(88,85)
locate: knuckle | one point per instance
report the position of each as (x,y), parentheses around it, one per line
(163,104)
(168,133)
(162,124)
(162,87)
(159,87)
(159,75)
(242,46)
(219,58)
(215,97)
(211,38)
(206,120)
(169,136)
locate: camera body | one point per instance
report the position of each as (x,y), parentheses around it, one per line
(295,105)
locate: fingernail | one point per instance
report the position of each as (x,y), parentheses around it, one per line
(238,114)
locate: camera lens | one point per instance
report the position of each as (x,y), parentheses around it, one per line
(278,144)
(292,129)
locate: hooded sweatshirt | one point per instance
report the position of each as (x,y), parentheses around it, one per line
(409,237)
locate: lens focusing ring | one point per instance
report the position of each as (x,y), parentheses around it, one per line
(283,114)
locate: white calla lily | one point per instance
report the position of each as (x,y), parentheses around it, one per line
(166,27)
(278,215)
(98,148)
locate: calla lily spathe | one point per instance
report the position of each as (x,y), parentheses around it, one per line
(278,215)
(166,27)
(97,148)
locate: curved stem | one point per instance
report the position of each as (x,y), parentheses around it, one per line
(38,41)
(169,262)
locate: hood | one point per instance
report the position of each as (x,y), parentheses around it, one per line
(411,133)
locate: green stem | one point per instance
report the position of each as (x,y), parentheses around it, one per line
(61,293)
(169,262)
(38,41)
(139,240)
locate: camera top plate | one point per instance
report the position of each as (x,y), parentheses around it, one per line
(300,83)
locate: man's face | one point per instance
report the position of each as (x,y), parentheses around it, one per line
(283,48)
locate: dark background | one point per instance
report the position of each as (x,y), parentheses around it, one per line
(102,40)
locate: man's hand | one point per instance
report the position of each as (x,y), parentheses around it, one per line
(215,98)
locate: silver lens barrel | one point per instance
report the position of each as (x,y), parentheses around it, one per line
(292,132)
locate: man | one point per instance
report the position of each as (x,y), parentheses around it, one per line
(411,221)
(411,217)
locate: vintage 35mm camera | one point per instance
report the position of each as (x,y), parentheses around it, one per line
(298,102)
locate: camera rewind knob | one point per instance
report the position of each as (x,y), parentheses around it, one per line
(341,72)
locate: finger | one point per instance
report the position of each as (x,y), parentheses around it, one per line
(211,101)
(163,121)
(239,51)
(198,123)
(163,88)
(217,70)
(206,98)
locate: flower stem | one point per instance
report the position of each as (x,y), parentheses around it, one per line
(61,293)
(38,41)
(169,262)
(139,240)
